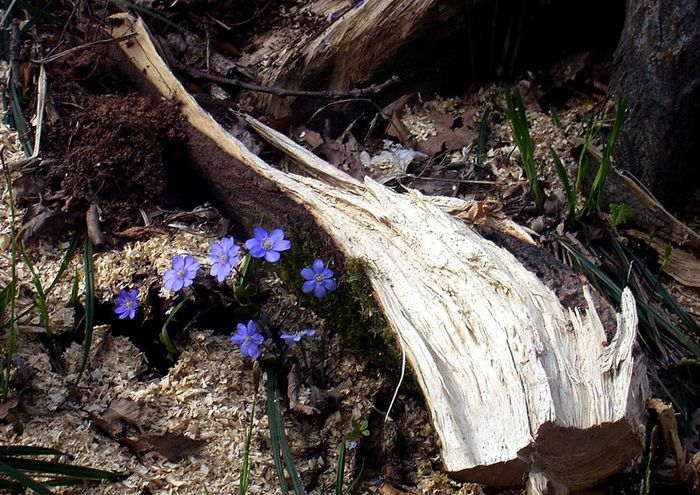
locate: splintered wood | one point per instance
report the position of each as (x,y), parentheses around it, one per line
(518,386)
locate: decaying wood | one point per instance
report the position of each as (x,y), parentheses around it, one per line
(517,385)
(363,40)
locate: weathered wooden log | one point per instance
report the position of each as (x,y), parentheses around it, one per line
(355,41)
(518,386)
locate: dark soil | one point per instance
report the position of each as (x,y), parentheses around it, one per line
(111,149)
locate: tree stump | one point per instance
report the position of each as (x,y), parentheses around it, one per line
(518,386)
(657,66)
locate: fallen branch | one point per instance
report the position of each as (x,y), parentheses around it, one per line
(282,92)
(517,385)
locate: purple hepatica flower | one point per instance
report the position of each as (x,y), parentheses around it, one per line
(292,338)
(126,304)
(224,256)
(267,245)
(352,444)
(319,279)
(182,274)
(249,339)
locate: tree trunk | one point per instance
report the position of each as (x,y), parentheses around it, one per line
(517,385)
(657,66)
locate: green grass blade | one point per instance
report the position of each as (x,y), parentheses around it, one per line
(10,297)
(20,123)
(274,427)
(340,469)
(555,117)
(593,199)
(164,335)
(40,300)
(49,467)
(89,304)
(65,262)
(564,178)
(23,479)
(20,450)
(668,299)
(245,470)
(278,435)
(483,130)
(73,300)
(67,258)
(649,316)
(4,298)
(515,110)
(357,478)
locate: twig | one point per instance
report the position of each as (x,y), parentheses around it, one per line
(94,229)
(80,47)
(40,105)
(7,14)
(283,92)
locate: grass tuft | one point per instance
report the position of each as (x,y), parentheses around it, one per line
(515,110)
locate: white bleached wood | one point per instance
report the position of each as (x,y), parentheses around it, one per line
(514,381)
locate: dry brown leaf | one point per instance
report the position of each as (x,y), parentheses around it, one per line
(7,407)
(682,266)
(453,131)
(387,489)
(174,446)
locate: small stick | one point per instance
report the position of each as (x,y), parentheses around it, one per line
(80,47)
(94,229)
(283,92)
(40,105)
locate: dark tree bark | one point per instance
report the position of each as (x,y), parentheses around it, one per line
(657,66)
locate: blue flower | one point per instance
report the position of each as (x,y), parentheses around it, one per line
(126,304)
(224,256)
(352,444)
(182,274)
(319,279)
(249,339)
(292,338)
(267,245)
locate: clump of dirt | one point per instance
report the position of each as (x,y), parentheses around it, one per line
(110,149)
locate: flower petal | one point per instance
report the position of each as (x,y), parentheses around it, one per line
(177,284)
(216,250)
(227,243)
(327,273)
(318,266)
(272,256)
(282,245)
(178,262)
(307,273)
(308,286)
(319,291)
(277,235)
(257,339)
(251,350)
(330,284)
(251,328)
(259,233)
(257,251)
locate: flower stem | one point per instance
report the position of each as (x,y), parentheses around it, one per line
(164,336)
